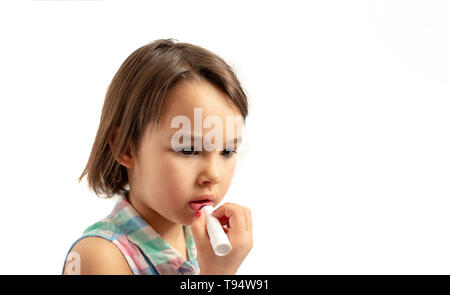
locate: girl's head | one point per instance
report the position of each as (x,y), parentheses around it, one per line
(133,146)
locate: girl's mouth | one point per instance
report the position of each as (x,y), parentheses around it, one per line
(197,205)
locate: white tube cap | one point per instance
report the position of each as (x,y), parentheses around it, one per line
(217,236)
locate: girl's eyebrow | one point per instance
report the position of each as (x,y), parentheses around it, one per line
(237,140)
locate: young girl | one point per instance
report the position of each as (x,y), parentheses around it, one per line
(156,226)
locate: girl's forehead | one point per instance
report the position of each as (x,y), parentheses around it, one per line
(197,104)
(188,95)
(201,118)
(199,114)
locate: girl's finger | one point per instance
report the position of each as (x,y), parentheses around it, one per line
(235,215)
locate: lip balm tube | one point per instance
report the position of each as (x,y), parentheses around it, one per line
(217,236)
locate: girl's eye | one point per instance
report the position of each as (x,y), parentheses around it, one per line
(228,153)
(188,151)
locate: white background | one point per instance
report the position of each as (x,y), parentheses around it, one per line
(346,162)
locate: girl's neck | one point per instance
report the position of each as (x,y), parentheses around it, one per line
(171,232)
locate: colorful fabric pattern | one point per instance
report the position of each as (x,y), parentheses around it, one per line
(143,248)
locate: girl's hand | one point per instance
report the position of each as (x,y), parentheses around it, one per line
(239,231)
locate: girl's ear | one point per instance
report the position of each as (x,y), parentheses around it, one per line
(125,159)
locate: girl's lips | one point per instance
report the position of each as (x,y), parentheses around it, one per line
(199,204)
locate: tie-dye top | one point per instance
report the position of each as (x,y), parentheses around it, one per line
(143,248)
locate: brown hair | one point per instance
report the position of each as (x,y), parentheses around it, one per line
(136,96)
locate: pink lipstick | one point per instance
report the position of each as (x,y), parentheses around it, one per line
(201,201)
(197,205)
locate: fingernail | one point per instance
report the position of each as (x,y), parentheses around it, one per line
(214,211)
(198,214)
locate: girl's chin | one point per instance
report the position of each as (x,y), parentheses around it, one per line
(188,221)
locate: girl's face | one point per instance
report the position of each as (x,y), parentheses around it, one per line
(164,181)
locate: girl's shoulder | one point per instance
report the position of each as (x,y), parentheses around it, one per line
(98,250)
(95,255)
(105,240)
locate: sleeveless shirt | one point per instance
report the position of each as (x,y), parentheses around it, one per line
(143,248)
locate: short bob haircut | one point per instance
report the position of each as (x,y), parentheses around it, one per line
(136,96)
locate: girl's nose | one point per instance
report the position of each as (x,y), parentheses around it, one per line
(213,179)
(210,174)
